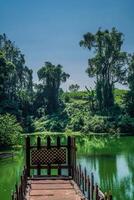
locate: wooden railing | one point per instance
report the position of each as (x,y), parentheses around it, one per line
(20,189)
(50,156)
(87,185)
(64,158)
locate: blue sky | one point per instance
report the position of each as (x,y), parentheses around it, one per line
(50,30)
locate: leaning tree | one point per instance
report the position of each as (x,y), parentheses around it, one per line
(107,64)
(52,76)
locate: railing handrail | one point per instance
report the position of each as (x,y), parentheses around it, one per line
(20,189)
(87,185)
(69,148)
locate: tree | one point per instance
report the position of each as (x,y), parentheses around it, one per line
(16,84)
(74,87)
(51,77)
(91,98)
(129,98)
(6,69)
(107,65)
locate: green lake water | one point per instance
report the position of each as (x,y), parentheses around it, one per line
(112,164)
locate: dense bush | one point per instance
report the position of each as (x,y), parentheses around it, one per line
(79,95)
(94,124)
(77,116)
(56,122)
(10,130)
(126,124)
(76,123)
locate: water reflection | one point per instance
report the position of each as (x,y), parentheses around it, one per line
(10,170)
(114,170)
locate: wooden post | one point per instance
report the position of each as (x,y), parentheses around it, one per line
(38,169)
(59,170)
(97,193)
(78,176)
(69,155)
(28,155)
(48,147)
(17,192)
(49,170)
(73,162)
(85,179)
(48,142)
(58,142)
(83,188)
(38,148)
(74,153)
(58,146)
(80,173)
(13,196)
(21,187)
(92,186)
(38,143)
(88,186)
(106,197)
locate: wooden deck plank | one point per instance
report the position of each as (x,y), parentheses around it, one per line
(51,186)
(54,190)
(50,192)
(49,181)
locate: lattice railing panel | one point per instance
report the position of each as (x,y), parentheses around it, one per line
(49,156)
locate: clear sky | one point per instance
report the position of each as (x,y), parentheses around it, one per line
(50,30)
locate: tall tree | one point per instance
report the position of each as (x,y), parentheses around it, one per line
(51,77)
(21,79)
(16,85)
(107,65)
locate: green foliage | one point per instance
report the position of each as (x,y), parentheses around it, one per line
(79,95)
(10,130)
(108,64)
(126,124)
(45,107)
(76,122)
(16,85)
(119,96)
(55,123)
(95,124)
(74,87)
(129,98)
(51,77)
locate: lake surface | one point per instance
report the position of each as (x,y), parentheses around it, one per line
(112,164)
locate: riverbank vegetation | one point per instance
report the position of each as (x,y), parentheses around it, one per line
(44,106)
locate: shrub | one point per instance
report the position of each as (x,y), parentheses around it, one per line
(76,123)
(95,124)
(10,130)
(126,124)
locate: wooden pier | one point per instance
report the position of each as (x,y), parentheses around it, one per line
(54,189)
(51,174)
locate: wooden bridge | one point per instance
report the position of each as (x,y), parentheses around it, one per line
(51,174)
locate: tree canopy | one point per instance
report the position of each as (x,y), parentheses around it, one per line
(51,77)
(130,79)
(108,64)
(74,87)
(45,103)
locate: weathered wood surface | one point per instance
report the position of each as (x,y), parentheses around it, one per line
(53,190)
